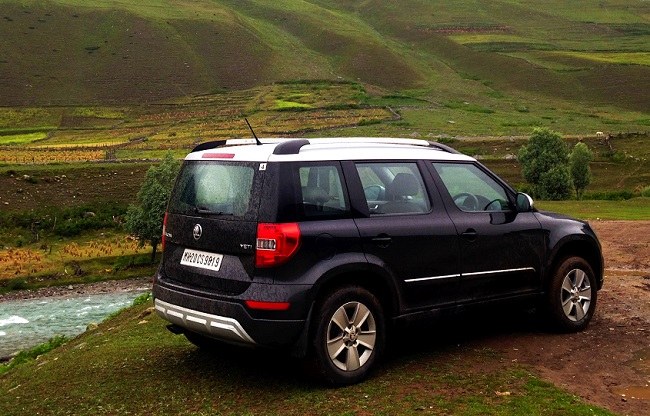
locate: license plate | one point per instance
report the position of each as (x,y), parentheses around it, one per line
(201,259)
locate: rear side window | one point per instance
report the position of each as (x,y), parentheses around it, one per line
(322,191)
(393,188)
(213,188)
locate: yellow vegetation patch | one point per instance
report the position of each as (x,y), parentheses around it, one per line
(32,156)
(17,262)
(628,58)
(466,38)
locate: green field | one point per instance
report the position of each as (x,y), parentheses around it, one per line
(633,209)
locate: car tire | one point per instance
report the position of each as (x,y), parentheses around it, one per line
(571,298)
(349,335)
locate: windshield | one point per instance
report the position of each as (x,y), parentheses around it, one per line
(213,188)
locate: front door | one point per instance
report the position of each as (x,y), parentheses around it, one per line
(500,248)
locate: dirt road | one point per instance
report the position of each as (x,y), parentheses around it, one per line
(609,363)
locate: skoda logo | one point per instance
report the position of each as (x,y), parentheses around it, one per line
(197,231)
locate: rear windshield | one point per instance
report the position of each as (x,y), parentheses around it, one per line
(214,188)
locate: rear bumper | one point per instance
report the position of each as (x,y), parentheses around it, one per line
(228,319)
(215,326)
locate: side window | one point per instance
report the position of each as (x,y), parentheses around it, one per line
(393,188)
(472,189)
(322,191)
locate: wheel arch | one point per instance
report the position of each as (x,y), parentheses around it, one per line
(579,248)
(375,281)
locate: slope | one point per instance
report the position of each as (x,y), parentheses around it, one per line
(73,51)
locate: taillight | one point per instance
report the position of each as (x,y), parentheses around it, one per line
(267,306)
(164,232)
(276,243)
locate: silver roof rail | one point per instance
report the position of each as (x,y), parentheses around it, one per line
(342,140)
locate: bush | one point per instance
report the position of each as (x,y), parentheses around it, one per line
(15,284)
(64,222)
(143,298)
(579,165)
(544,162)
(645,192)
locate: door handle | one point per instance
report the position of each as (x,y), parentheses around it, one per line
(470,234)
(382,241)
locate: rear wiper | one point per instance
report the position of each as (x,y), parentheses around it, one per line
(204,210)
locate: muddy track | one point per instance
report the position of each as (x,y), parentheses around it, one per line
(608,364)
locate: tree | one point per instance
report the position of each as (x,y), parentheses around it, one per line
(145,218)
(579,165)
(544,162)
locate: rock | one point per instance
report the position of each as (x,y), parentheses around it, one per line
(92,326)
(146,312)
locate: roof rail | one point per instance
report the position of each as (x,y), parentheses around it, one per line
(296,144)
(444,148)
(290,147)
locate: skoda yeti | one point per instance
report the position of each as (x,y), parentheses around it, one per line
(318,246)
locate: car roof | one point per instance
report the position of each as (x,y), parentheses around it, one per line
(322,149)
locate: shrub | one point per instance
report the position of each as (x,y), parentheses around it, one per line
(544,162)
(64,222)
(579,165)
(143,298)
(145,219)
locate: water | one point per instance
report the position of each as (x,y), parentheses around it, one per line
(26,323)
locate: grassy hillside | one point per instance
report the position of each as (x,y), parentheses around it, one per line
(491,53)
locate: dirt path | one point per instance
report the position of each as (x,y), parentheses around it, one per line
(609,363)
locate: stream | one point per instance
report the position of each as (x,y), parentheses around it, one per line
(29,322)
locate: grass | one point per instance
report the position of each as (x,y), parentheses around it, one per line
(632,209)
(33,353)
(625,58)
(15,139)
(133,355)
(79,55)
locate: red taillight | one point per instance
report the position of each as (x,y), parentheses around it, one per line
(267,306)
(276,243)
(162,240)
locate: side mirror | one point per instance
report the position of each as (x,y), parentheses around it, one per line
(524,202)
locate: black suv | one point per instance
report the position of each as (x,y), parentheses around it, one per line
(320,245)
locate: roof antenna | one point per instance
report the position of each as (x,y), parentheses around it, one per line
(259,143)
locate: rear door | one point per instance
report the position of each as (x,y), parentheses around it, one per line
(212,225)
(405,230)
